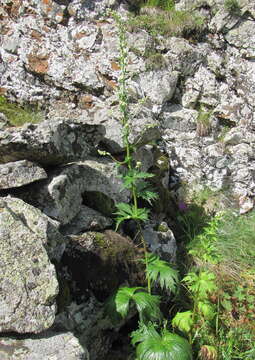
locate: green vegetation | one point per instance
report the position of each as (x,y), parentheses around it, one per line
(152,341)
(165,5)
(17,115)
(232,6)
(214,311)
(203,122)
(224,250)
(168,23)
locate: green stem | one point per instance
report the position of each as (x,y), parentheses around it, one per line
(125,124)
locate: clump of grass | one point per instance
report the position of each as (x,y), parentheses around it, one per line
(167,23)
(203,122)
(235,240)
(232,6)
(17,115)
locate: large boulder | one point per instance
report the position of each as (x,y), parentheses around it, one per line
(47,346)
(49,143)
(28,283)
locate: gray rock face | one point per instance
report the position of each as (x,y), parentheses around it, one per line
(28,280)
(47,346)
(49,143)
(18,173)
(161,242)
(87,219)
(62,195)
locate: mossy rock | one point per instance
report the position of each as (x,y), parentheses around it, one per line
(101,262)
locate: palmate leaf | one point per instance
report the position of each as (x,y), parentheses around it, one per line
(183,321)
(153,345)
(134,175)
(201,284)
(122,299)
(127,212)
(146,192)
(147,305)
(160,271)
(206,309)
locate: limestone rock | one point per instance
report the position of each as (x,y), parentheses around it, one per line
(28,280)
(47,346)
(49,143)
(18,173)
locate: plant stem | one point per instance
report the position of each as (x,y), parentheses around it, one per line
(126,128)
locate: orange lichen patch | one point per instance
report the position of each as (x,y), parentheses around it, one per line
(115,66)
(6,30)
(86,102)
(3,91)
(13,8)
(36,35)
(47,29)
(47,2)
(111,84)
(38,63)
(102,22)
(59,16)
(80,35)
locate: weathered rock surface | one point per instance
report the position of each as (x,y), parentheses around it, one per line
(49,143)
(28,280)
(161,242)
(61,196)
(47,346)
(91,324)
(87,219)
(18,173)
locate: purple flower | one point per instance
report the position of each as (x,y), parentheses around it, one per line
(182,206)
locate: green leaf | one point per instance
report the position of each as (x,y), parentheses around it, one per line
(122,299)
(148,306)
(160,271)
(145,192)
(127,212)
(153,345)
(206,309)
(201,284)
(183,321)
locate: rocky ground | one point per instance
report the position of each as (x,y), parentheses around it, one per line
(193,119)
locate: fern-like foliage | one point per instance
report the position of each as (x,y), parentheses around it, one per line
(146,304)
(160,271)
(183,321)
(152,345)
(127,212)
(201,284)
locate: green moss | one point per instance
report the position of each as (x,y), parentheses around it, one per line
(17,115)
(162,228)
